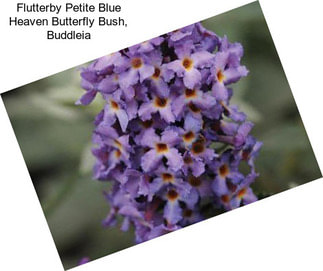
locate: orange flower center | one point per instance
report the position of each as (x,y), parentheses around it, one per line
(242,192)
(190,93)
(220,76)
(156,73)
(147,124)
(136,62)
(225,198)
(194,181)
(198,147)
(114,105)
(118,144)
(172,195)
(193,108)
(224,170)
(189,136)
(187,63)
(161,147)
(167,177)
(160,102)
(117,153)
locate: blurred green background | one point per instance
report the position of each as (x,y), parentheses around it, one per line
(55,139)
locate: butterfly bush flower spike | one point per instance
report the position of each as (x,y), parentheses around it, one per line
(168,138)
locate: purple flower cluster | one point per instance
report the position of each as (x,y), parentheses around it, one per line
(167,137)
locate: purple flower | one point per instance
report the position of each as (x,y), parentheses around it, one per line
(227,174)
(240,194)
(139,68)
(193,164)
(208,40)
(114,110)
(250,151)
(187,65)
(226,70)
(168,138)
(173,197)
(192,98)
(157,105)
(202,185)
(101,76)
(158,80)
(161,147)
(164,178)
(235,134)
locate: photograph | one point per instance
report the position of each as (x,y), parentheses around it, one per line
(161,135)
